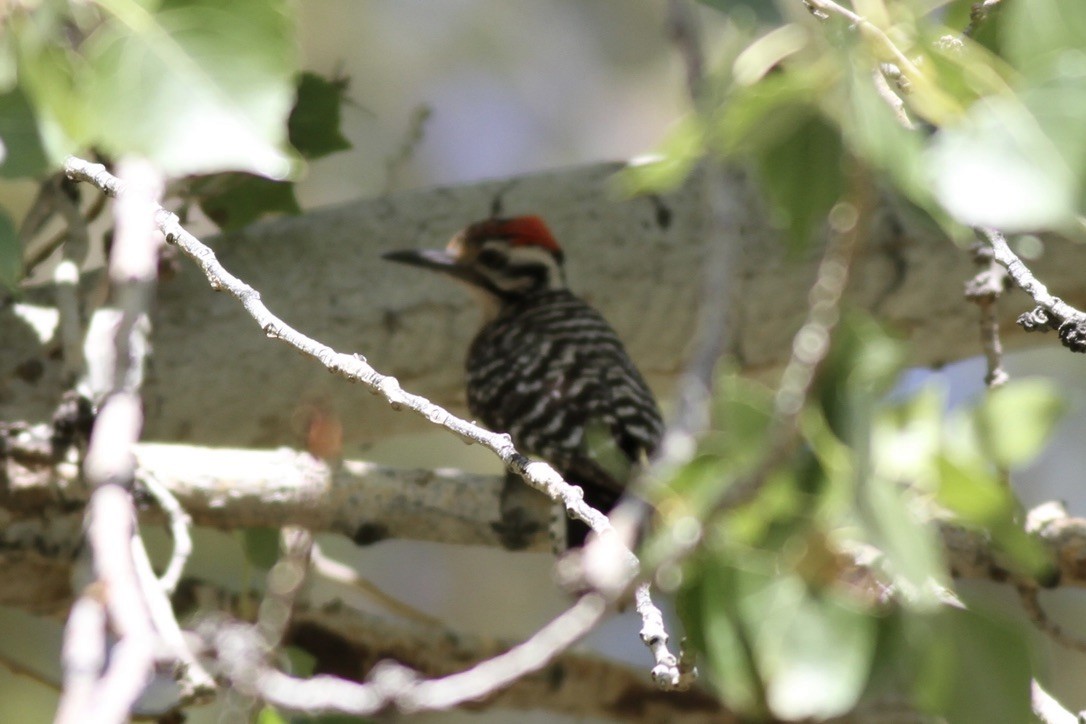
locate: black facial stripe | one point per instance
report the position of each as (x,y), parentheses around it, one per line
(537,273)
(492,259)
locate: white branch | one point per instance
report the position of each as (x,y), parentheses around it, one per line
(391,685)
(235,489)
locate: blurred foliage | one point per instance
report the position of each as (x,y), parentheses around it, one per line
(313,125)
(211,80)
(261,547)
(11,262)
(270,715)
(770,598)
(988,133)
(999,113)
(208,91)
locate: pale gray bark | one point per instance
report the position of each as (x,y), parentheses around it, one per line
(234,489)
(215,380)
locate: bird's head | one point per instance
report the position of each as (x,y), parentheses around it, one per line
(505,259)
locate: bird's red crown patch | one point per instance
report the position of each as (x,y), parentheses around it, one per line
(520,231)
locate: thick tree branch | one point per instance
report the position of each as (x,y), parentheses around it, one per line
(234,489)
(219,383)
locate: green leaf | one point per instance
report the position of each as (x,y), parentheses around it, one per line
(768,112)
(1058,105)
(972,492)
(302,663)
(673,161)
(54,80)
(814,653)
(314,124)
(270,715)
(1016,420)
(1039,34)
(11,253)
(803,178)
(23,152)
(998,168)
(261,546)
(968,488)
(992,673)
(907,437)
(769,641)
(911,548)
(862,365)
(742,411)
(196,86)
(233,200)
(747,12)
(706,602)
(871,131)
(8,66)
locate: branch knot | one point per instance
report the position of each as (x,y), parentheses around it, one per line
(1073,335)
(1037,320)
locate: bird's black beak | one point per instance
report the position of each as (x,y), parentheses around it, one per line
(437,260)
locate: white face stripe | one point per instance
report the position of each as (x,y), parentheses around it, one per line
(524,256)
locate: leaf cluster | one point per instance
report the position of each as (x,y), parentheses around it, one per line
(787,623)
(828,587)
(207,91)
(996,116)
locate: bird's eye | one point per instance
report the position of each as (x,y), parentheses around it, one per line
(491,259)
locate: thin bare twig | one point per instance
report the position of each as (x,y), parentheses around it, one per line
(902,71)
(682,26)
(285,580)
(984,290)
(978,13)
(670,673)
(109,469)
(694,389)
(179,522)
(392,685)
(333,570)
(193,681)
(908,68)
(1051,312)
(416,130)
(693,394)
(1028,595)
(84,654)
(810,345)
(891,98)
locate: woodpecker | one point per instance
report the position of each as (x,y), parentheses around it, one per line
(546,367)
